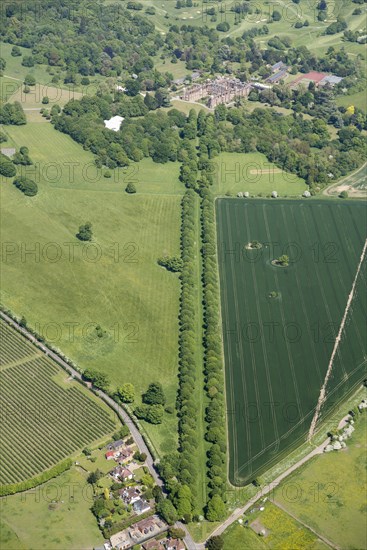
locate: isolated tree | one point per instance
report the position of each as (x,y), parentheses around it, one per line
(85,232)
(283,260)
(7,168)
(130,188)
(154,394)
(216,509)
(29,80)
(215,543)
(15,51)
(94,477)
(126,393)
(344,195)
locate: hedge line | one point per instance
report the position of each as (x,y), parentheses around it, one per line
(12,488)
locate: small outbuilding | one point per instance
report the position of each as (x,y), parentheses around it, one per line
(306,194)
(114,123)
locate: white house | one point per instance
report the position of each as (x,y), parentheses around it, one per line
(114,123)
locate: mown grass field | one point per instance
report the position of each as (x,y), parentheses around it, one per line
(277,349)
(328,493)
(54,516)
(44,418)
(252,172)
(120,287)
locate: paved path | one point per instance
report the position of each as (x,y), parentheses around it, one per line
(75,374)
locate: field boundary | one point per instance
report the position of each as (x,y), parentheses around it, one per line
(54,471)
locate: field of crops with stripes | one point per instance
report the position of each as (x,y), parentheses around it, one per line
(44,419)
(280,323)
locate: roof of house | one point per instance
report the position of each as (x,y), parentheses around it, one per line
(153,545)
(175,544)
(141,505)
(279,65)
(277,76)
(331,79)
(110,453)
(125,472)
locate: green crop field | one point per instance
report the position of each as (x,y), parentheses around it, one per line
(278,349)
(43,420)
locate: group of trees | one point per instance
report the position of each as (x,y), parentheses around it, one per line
(171,263)
(99,379)
(81,37)
(12,113)
(152,409)
(26,185)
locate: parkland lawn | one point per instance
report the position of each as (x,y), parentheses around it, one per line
(277,350)
(115,282)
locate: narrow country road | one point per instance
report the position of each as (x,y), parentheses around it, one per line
(122,414)
(236,514)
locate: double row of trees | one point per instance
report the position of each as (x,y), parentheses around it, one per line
(213,363)
(186,403)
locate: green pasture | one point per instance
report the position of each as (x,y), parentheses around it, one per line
(120,286)
(282,532)
(277,349)
(252,172)
(53,516)
(328,493)
(358,99)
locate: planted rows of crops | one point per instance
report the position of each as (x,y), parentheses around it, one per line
(43,422)
(12,346)
(277,343)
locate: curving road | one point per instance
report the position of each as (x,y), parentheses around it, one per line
(236,514)
(75,374)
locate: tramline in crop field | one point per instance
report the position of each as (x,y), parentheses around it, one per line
(280,322)
(43,421)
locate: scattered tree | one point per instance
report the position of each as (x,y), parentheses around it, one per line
(85,232)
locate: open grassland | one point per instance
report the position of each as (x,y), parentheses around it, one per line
(277,350)
(44,419)
(328,493)
(8,87)
(33,99)
(282,533)
(253,172)
(358,99)
(115,282)
(355,184)
(54,516)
